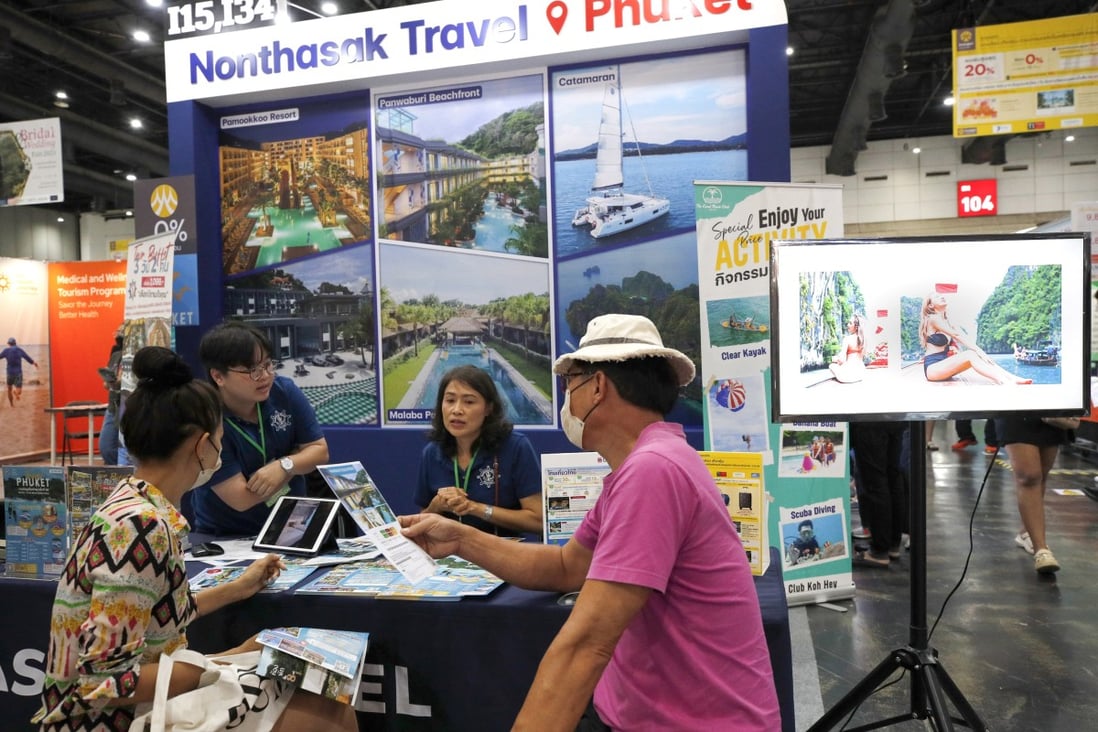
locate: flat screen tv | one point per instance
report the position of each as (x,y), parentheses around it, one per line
(930,328)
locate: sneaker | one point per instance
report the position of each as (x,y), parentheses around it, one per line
(1023,541)
(1045,563)
(861,533)
(931,446)
(963,443)
(990,450)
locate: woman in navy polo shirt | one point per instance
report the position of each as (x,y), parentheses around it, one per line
(476,467)
(272,436)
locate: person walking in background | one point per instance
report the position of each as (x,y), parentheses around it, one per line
(108,433)
(878,448)
(15,356)
(966,437)
(1032,446)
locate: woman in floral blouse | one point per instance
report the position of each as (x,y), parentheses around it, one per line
(123,599)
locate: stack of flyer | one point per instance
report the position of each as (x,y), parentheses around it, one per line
(325,662)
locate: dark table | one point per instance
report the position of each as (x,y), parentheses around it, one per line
(431,665)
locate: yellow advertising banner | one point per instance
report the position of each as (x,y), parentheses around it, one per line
(1026,77)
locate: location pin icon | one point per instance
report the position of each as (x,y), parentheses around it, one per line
(557,13)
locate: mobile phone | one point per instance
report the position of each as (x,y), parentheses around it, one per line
(209,549)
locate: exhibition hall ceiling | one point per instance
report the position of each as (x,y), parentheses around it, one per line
(840,48)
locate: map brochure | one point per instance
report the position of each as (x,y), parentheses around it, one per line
(325,662)
(358,493)
(571,483)
(739,477)
(88,486)
(36,520)
(454,579)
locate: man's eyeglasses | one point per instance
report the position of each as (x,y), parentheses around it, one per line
(566,379)
(258,371)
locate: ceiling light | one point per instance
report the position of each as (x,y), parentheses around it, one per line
(329,8)
(60,219)
(129,212)
(136,124)
(155,3)
(60,104)
(1069,138)
(61,94)
(916,150)
(789,50)
(141,36)
(131,177)
(949,101)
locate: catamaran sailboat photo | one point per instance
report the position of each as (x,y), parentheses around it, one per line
(610,210)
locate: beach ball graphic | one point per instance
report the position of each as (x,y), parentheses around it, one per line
(164,200)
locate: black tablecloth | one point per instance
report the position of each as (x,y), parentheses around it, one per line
(431,665)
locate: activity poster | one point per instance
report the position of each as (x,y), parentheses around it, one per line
(627,140)
(736,223)
(24,299)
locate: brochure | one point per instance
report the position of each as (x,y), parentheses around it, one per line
(88,486)
(214,576)
(36,522)
(571,483)
(359,494)
(454,579)
(325,662)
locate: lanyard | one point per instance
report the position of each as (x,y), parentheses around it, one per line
(469,469)
(261,446)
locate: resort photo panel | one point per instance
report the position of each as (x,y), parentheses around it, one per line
(629,139)
(442,308)
(295,179)
(319,315)
(463,165)
(657,279)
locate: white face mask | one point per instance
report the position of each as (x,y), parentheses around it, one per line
(573,425)
(204,474)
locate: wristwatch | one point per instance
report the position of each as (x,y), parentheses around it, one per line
(287,464)
(488,511)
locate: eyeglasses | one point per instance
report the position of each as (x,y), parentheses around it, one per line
(566,379)
(258,371)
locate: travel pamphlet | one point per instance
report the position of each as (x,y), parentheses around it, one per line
(454,579)
(88,486)
(36,522)
(358,493)
(214,576)
(325,662)
(571,483)
(739,477)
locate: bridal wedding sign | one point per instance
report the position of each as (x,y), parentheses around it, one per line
(805,465)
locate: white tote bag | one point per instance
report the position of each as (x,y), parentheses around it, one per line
(216,701)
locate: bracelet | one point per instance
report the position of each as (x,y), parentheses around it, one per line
(488,511)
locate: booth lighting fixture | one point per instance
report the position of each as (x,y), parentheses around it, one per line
(141,36)
(949,101)
(136,124)
(131,177)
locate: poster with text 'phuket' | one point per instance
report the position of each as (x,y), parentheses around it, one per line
(736,223)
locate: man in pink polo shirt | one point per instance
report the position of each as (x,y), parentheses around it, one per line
(666,633)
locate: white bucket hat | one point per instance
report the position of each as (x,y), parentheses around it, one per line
(618,337)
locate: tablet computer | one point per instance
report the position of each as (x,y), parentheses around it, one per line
(298,525)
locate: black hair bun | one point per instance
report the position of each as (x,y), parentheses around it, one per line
(157,367)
